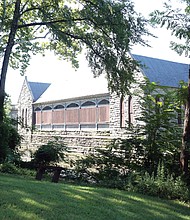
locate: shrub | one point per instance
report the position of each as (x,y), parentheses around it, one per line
(52,152)
(114,165)
(9,140)
(9,168)
(13,169)
(163,186)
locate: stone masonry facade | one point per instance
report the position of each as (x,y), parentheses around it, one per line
(80,142)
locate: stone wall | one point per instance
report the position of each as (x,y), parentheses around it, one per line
(78,143)
(115,111)
(25,110)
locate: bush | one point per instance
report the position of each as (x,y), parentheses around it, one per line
(9,140)
(13,169)
(163,186)
(52,152)
(114,165)
(9,168)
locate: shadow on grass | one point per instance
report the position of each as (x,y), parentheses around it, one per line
(28,199)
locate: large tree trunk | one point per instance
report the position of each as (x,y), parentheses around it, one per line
(184,156)
(7,54)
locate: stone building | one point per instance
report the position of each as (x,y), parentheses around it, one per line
(87,115)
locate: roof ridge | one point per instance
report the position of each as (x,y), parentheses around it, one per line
(39,82)
(158,59)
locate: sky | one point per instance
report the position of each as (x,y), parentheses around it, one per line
(52,70)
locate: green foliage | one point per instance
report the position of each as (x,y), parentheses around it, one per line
(156,139)
(159,128)
(13,169)
(9,168)
(106,29)
(177,21)
(52,152)
(9,140)
(163,185)
(114,165)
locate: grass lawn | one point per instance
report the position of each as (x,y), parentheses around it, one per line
(22,198)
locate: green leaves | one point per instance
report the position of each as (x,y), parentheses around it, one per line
(176,20)
(52,152)
(161,108)
(106,29)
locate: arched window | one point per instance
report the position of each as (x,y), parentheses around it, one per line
(122,112)
(73,105)
(180,115)
(47,108)
(37,109)
(37,116)
(88,113)
(59,107)
(130,110)
(72,114)
(58,114)
(22,118)
(157,104)
(88,104)
(26,117)
(103,102)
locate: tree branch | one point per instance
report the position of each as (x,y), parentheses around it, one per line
(86,41)
(49,22)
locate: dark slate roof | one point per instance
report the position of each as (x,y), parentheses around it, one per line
(37,89)
(163,72)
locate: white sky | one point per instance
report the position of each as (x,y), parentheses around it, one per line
(50,69)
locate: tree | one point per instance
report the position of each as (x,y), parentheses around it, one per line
(151,144)
(158,127)
(177,21)
(10,139)
(105,28)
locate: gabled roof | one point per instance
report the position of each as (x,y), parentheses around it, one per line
(163,72)
(37,89)
(75,88)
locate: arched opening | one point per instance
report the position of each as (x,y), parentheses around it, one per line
(46,108)
(103,102)
(72,114)
(122,112)
(26,117)
(37,109)
(57,107)
(22,118)
(130,110)
(73,105)
(88,104)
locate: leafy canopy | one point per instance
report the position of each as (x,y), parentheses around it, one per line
(105,28)
(177,21)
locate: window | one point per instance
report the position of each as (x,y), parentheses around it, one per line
(22,118)
(72,114)
(47,115)
(130,110)
(88,103)
(26,117)
(37,115)
(58,114)
(59,107)
(73,105)
(180,116)
(122,112)
(47,108)
(37,109)
(103,102)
